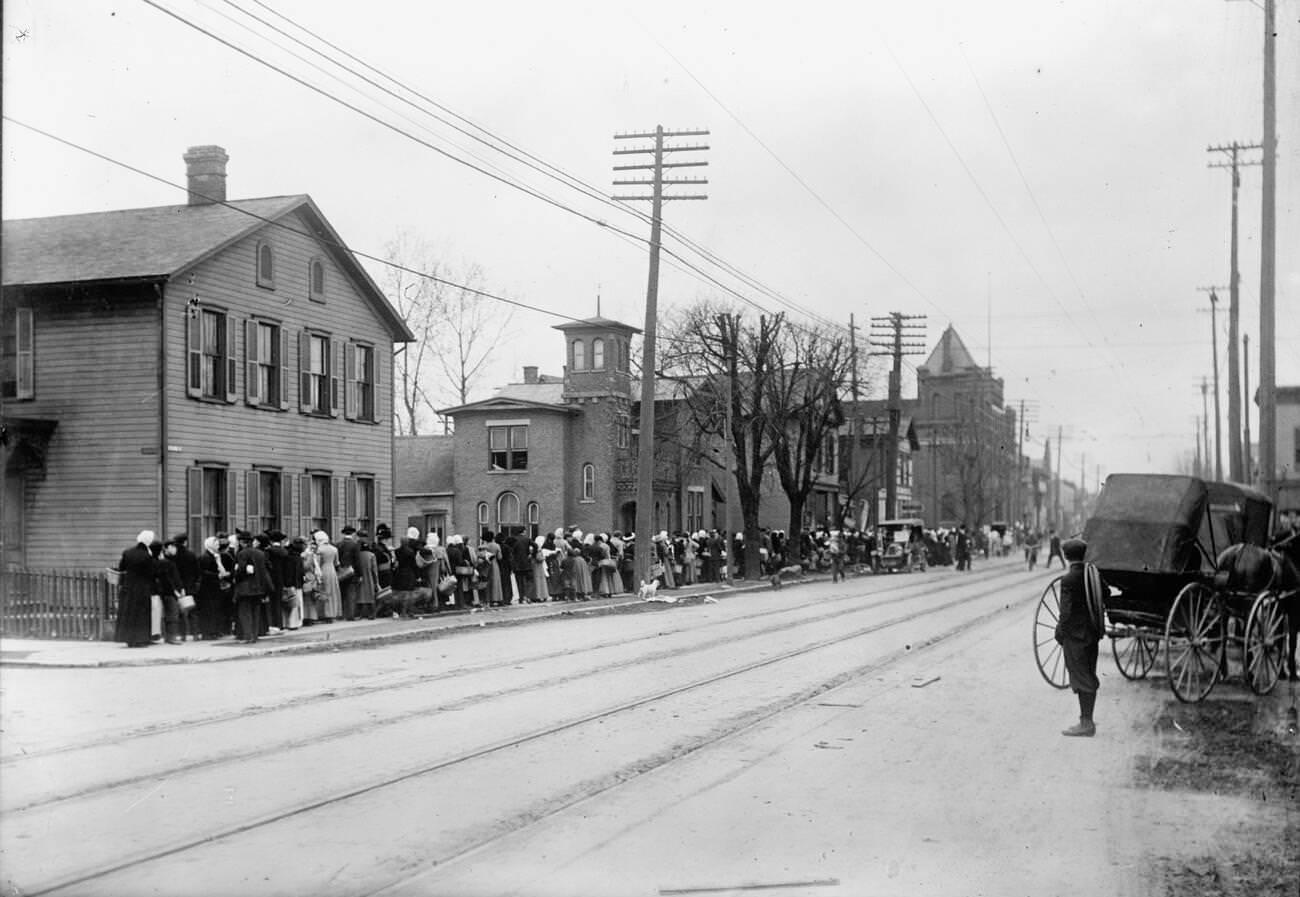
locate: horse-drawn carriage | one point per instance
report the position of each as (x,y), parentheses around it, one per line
(1188,571)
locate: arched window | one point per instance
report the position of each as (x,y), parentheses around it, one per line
(316,280)
(507,511)
(588,482)
(579,355)
(265,265)
(534,520)
(482,516)
(598,354)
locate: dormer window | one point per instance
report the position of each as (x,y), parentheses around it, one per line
(265,265)
(316,280)
(579,355)
(598,354)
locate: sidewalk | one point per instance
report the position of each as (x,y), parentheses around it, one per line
(15,652)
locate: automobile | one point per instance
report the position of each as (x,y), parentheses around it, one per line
(902,545)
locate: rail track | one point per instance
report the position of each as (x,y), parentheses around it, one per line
(796,639)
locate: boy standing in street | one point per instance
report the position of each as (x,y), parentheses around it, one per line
(1078,631)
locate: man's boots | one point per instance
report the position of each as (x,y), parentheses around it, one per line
(1085,727)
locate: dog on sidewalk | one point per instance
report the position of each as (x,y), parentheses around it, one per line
(648,590)
(794,571)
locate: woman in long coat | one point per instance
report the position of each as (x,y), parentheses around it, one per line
(581,570)
(490,568)
(215,589)
(329,596)
(539,554)
(135,594)
(604,568)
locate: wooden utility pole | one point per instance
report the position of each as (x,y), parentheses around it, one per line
(855,423)
(889,333)
(1214,348)
(1205,423)
(1245,366)
(646,438)
(1268,252)
(1234,279)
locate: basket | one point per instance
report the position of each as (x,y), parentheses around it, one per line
(186,603)
(114,576)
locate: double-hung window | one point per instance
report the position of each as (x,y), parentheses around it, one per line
(360,372)
(317,374)
(210,499)
(508,447)
(210,337)
(266,349)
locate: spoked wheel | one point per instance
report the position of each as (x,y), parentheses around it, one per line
(1135,656)
(1265,643)
(1048,654)
(1195,642)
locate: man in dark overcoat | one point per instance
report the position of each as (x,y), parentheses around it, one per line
(252,587)
(349,559)
(1078,631)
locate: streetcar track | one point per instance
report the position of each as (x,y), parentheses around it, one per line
(346,730)
(610,780)
(359,691)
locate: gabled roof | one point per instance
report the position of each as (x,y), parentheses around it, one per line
(517,398)
(423,465)
(160,242)
(950,355)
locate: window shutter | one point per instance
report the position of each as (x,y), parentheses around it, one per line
(252,501)
(284,383)
(304,375)
(350,506)
(286,503)
(251,349)
(194,511)
(376,514)
(304,505)
(334,361)
(350,405)
(232,499)
(336,512)
(26,387)
(194,354)
(232,358)
(375,366)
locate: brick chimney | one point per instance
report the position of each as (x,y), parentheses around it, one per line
(205,170)
(530,373)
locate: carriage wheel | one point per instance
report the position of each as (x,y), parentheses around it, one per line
(1194,642)
(1265,643)
(1135,656)
(1048,654)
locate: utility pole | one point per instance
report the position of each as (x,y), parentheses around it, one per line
(1268,252)
(1245,366)
(1205,424)
(1196,465)
(889,333)
(855,422)
(1060,519)
(1214,348)
(1234,281)
(645,440)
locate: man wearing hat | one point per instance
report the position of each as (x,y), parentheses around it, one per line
(1078,631)
(349,567)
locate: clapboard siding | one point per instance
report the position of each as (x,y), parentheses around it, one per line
(243,436)
(97,375)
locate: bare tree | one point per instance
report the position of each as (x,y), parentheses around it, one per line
(809,375)
(455,326)
(725,364)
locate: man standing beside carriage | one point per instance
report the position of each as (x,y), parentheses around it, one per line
(1078,631)
(1287,541)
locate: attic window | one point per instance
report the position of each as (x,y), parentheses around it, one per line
(265,265)
(316,280)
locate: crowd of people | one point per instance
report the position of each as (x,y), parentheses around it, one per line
(246,586)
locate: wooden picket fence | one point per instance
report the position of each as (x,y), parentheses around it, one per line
(57,604)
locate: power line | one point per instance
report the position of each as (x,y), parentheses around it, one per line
(233,206)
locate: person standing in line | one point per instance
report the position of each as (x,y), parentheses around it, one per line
(961,548)
(277,560)
(167,586)
(135,593)
(521,565)
(406,575)
(293,577)
(489,568)
(215,585)
(310,581)
(1053,549)
(252,588)
(328,597)
(187,564)
(349,566)
(367,578)
(835,547)
(1078,630)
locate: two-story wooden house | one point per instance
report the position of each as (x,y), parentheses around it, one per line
(194,368)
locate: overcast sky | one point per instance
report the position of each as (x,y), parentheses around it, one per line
(1033,173)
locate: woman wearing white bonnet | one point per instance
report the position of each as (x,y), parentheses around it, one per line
(329,595)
